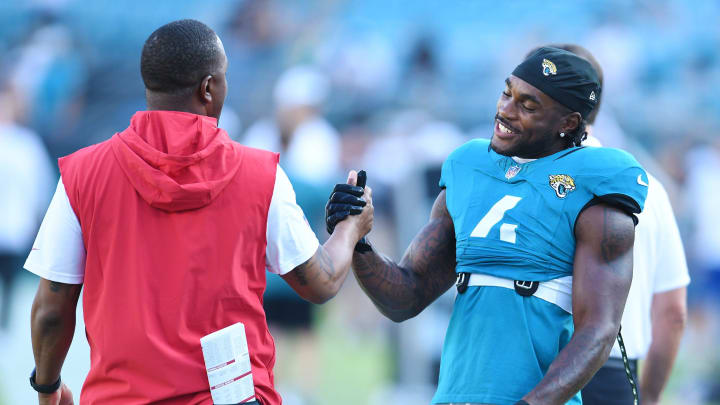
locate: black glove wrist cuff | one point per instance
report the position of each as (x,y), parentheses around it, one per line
(363,246)
(44,388)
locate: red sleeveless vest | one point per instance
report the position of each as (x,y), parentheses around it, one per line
(173,216)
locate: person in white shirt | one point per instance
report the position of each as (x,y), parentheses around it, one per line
(655,312)
(309,145)
(27,184)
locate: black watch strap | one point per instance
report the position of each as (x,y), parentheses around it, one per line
(41,388)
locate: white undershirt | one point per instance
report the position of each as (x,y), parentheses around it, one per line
(58,253)
(27,179)
(658,266)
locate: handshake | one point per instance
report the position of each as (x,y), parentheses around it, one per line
(351,198)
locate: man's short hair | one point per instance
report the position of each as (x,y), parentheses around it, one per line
(178,55)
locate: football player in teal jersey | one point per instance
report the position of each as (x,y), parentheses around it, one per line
(538,232)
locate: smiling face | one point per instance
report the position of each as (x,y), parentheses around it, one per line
(528,122)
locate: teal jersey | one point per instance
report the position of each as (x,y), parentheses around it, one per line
(516,221)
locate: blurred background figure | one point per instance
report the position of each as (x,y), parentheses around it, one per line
(309,146)
(702,196)
(257,44)
(391,89)
(26,178)
(49,75)
(309,150)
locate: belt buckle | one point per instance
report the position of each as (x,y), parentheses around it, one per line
(526,288)
(462,282)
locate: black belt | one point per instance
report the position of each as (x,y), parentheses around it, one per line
(524,288)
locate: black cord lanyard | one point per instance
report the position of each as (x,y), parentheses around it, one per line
(628,373)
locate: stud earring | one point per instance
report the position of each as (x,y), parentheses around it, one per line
(562,134)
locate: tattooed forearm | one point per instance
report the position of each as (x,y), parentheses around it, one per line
(319,267)
(327,265)
(299,274)
(320,277)
(426,271)
(389,286)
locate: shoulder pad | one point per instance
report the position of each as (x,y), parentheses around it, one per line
(609,172)
(469,152)
(594,159)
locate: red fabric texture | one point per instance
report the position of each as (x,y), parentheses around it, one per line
(173,216)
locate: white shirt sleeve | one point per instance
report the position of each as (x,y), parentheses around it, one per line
(672,271)
(290,240)
(58,253)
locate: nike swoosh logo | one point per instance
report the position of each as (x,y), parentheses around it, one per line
(640,181)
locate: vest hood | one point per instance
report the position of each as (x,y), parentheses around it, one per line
(176,161)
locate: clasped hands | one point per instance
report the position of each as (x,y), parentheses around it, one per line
(351,199)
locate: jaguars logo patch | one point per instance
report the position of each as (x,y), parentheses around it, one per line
(562,184)
(548,68)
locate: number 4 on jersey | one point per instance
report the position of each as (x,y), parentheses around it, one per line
(496,213)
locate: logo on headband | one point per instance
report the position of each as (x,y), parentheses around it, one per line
(548,68)
(592,96)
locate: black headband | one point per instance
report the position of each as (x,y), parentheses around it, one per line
(567,78)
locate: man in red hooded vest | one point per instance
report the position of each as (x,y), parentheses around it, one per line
(169,226)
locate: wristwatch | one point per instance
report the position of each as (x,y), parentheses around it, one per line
(44,388)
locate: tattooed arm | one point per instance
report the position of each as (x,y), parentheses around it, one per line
(320,277)
(52,326)
(426,271)
(601,281)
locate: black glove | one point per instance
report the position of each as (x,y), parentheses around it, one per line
(347,200)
